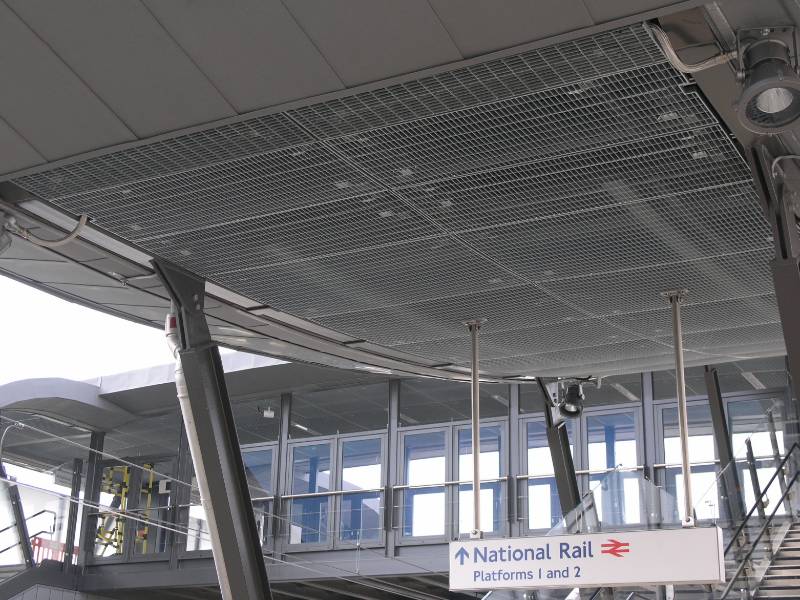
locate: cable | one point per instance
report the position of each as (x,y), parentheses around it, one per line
(11,225)
(778,159)
(662,39)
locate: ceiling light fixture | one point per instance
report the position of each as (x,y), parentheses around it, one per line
(770,100)
(571,406)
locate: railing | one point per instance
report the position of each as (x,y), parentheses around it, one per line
(33,538)
(746,563)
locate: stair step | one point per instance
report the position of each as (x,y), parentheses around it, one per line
(785,564)
(781,583)
(782,572)
(776,594)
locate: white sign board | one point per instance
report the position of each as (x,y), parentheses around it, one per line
(665,556)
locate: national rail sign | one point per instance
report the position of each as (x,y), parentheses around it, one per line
(658,557)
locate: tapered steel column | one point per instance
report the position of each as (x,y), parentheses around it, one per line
(776,195)
(474,326)
(676,299)
(569,494)
(722,438)
(214,445)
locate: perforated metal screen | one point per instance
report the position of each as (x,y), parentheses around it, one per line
(556,192)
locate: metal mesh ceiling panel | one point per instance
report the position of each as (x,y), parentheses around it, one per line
(556,192)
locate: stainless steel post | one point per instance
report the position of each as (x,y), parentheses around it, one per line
(675,299)
(476,533)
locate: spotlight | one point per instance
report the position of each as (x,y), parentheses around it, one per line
(770,100)
(572,404)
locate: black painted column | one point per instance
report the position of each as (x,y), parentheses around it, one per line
(214,444)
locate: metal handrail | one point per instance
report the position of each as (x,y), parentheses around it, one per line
(33,516)
(754,544)
(760,499)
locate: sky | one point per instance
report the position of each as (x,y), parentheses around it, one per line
(44,336)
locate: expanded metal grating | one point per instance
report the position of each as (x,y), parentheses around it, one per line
(556,192)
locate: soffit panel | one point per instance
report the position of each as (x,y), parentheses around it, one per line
(259,56)
(608,10)
(129,61)
(47,103)
(367,41)
(394,214)
(482,27)
(15,152)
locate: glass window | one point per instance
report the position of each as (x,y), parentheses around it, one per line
(424,464)
(426,401)
(311,474)
(342,410)
(664,385)
(544,508)
(257,421)
(198,536)
(361,470)
(701,450)
(153,505)
(612,441)
(490,467)
(258,469)
(612,444)
(616,389)
(114,493)
(748,419)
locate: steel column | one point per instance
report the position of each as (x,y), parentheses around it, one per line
(569,494)
(392,467)
(722,438)
(72,514)
(676,299)
(279,512)
(513,452)
(214,444)
(751,465)
(776,202)
(91,496)
(474,326)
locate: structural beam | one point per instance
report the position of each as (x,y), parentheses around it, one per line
(72,514)
(776,194)
(731,486)
(91,496)
(214,444)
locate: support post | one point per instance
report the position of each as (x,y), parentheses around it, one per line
(776,202)
(569,494)
(776,456)
(392,467)
(722,438)
(279,509)
(91,496)
(72,514)
(214,444)
(751,465)
(676,299)
(514,444)
(476,533)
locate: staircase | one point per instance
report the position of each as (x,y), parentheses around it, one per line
(782,579)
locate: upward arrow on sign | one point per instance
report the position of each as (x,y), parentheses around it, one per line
(462,554)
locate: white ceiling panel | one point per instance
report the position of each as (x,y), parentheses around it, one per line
(364,40)
(485,26)
(258,57)
(608,10)
(15,152)
(121,51)
(45,102)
